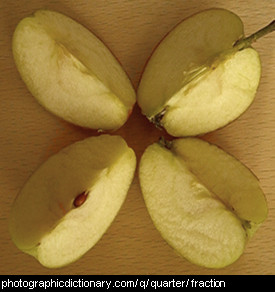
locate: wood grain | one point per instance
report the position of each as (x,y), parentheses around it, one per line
(29,134)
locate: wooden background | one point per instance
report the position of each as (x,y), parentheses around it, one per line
(29,134)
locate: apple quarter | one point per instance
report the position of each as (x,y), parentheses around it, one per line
(45,220)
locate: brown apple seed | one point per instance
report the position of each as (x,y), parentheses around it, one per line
(80,199)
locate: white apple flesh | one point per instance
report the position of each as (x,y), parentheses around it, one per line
(223,94)
(204,202)
(69,202)
(71,72)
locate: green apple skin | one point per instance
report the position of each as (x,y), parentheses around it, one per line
(71,72)
(204,202)
(194,73)
(44,221)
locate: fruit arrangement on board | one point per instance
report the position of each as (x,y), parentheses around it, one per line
(203,75)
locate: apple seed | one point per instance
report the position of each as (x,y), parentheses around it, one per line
(80,199)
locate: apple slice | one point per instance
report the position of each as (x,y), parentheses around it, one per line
(69,202)
(71,72)
(203,68)
(205,203)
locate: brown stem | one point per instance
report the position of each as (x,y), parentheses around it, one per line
(246,42)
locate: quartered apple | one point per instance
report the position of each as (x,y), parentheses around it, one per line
(205,203)
(69,202)
(203,74)
(71,72)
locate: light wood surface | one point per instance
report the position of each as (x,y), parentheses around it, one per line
(29,134)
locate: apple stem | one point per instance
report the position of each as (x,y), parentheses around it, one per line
(246,42)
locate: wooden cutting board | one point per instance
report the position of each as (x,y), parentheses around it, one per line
(29,134)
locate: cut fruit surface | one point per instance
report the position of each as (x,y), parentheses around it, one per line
(201,199)
(194,73)
(230,180)
(216,98)
(45,220)
(71,72)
